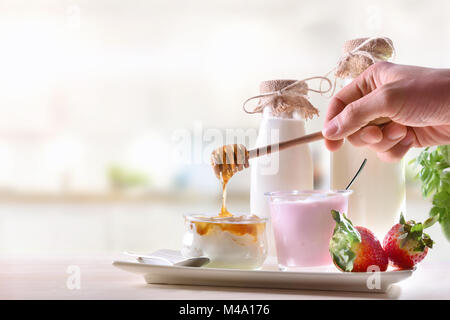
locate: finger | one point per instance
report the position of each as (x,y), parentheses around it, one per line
(354,91)
(358,114)
(335,106)
(348,101)
(363,85)
(351,92)
(366,136)
(348,94)
(397,152)
(393,133)
(333,145)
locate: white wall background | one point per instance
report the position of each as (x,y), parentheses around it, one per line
(84,84)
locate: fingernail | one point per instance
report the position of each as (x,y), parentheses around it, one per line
(369,139)
(331,128)
(409,139)
(397,134)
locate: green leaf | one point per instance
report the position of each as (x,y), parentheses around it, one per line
(412,235)
(434,175)
(336,216)
(442,199)
(416,230)
(420,247)
(402,218)
(445,226)
(445,151)
(430,221)
(435,212)
(427,241)
(343,241)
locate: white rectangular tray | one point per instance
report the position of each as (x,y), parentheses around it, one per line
(328,278)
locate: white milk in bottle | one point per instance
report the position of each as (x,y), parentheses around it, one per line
(290,169)
(379,191)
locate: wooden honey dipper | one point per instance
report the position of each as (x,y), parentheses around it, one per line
(229,159)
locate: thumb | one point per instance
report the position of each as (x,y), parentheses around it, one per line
(356,115)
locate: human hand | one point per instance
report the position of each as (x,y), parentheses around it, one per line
(416,99)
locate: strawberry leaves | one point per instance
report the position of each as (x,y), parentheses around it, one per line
(412,233)
(345,236)
(430,221)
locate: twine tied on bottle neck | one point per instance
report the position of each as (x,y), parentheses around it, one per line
(293,97)
(359,54)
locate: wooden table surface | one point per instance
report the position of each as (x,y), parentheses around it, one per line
(46,277)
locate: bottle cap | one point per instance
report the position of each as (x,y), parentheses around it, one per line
(361,53)
(274,85)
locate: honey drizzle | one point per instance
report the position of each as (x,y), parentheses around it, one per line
(225,176)
(226,161)
(223,211)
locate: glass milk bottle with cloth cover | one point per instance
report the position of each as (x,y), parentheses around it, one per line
(283,118)
(379,192)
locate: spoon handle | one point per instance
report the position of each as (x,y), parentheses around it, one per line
(285,144)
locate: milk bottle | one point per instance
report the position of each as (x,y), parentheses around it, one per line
(290,169)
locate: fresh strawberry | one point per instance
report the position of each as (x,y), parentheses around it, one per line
(355,249)
(406,244)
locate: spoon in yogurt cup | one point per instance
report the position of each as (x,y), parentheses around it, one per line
(356,174)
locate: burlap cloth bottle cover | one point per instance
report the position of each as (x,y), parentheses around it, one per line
(286,96)
(361,53)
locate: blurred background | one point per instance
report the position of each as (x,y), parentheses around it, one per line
(108,108)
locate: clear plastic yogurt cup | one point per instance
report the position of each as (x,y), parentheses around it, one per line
(237,242)
(303,225)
